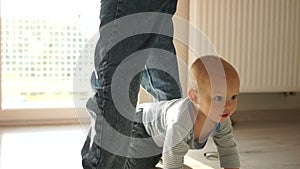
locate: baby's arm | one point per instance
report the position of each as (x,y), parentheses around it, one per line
(175,148)
(227,147)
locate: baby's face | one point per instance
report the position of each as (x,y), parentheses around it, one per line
(219,105)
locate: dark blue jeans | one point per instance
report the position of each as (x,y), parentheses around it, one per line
(135,48)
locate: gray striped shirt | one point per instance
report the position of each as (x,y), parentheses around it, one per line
(170,124)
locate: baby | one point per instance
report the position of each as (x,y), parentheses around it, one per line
(170,128)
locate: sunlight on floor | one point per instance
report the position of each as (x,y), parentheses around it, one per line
(58,148)
(52,147)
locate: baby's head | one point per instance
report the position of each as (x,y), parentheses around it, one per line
(213,87)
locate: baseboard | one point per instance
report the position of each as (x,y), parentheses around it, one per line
(268,101)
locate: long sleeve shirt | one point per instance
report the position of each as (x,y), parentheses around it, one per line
(170,124)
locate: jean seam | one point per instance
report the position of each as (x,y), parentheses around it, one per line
(103,72)
(130,147)
(100,140)
(111,42)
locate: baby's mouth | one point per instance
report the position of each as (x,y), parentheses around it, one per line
(224,115)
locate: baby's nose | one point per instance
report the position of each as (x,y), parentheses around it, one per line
(227,105)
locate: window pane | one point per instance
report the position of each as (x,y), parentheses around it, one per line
(42,47)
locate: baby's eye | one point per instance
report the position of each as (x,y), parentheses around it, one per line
(234,97)
(218,98)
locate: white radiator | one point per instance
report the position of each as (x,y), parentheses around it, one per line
(261,38)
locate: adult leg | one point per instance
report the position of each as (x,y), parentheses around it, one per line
(108,56)
(160,77)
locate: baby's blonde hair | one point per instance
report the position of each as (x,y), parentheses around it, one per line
(198,74)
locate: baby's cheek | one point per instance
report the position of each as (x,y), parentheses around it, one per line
(233,110)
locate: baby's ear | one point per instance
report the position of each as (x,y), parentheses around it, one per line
(193,96)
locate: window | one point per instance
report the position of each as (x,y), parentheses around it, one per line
(47,53)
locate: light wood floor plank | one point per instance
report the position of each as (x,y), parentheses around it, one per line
(267,140)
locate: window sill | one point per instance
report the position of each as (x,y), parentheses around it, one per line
(49,116)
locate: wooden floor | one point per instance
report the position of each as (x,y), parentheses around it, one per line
(267,140)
